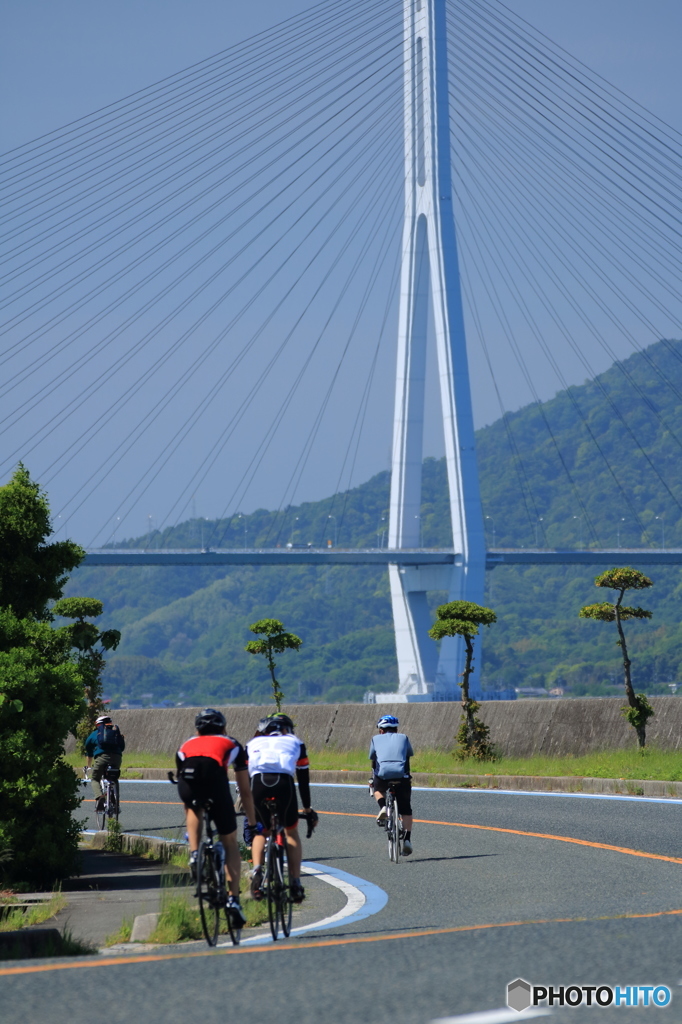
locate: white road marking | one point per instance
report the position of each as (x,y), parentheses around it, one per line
(474,791)
(363,899)
(504,1016)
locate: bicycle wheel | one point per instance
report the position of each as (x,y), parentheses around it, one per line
(102,815)
(233,929)
(208,889)
(283,891)
(115,802)
(393,827)
(270,886)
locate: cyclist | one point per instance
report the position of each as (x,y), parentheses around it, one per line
(390,754)
(202,763)
(106,745)
(275,756)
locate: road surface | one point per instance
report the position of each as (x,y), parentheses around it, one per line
(487,897)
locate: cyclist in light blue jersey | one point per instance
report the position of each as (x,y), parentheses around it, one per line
(390,754)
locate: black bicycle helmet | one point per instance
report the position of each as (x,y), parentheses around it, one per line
(209,721)
(278,722)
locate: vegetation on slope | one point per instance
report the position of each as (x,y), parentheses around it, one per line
(595,466)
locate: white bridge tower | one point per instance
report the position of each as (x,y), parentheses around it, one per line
(430,278)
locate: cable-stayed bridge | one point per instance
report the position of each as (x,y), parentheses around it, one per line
(227,258)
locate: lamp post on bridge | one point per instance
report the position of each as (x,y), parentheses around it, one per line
(621,520)
(493,522)
(335,529)
(580,529)
(662,521)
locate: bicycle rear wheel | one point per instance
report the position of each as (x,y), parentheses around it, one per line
(393,828)
(270,886)
(284,894)
(102,815)
(115,808)
(233,929)
(208,891)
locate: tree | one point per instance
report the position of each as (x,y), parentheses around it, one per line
(41,693)
(275,641)
(639,710)
(464,618)
(91,644)
(32,573)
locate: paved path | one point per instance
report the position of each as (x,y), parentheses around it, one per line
(487,897)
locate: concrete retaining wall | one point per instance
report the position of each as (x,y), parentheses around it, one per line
(519,728)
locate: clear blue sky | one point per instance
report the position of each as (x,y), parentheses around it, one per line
(59,61)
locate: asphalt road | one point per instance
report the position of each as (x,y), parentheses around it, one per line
(474,908)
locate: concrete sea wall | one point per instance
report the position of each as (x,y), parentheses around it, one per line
(519,728)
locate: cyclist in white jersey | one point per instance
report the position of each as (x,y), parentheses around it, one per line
(275,757)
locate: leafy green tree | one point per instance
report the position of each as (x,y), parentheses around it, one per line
(41,693)
(41,701)
(32,572)
(639,710)
(464,618)
(91,644)
(275,640)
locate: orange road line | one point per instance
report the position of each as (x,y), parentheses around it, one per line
(319,944)
(534,835)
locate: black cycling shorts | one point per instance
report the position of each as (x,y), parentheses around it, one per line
(403,792)
(216,788)
(283,788)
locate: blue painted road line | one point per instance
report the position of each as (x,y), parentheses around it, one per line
(464,790)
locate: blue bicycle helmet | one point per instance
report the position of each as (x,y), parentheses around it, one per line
(388,722)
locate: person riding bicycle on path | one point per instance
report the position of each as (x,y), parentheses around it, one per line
(202,763)
(390,754)
(275,756)
(106,745)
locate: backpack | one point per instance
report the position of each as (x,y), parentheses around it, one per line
(109,738)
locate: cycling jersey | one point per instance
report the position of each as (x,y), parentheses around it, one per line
(390,754)
(223,749)
(276,754)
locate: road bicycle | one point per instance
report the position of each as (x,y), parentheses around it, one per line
(211,890)
(395,833)
(112,797)
(276,875)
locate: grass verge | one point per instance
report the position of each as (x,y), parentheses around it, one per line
(179,919)
(665,765)
(13,920)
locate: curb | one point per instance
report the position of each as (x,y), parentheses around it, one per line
(529,783)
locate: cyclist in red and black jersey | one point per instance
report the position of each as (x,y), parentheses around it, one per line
(202,763)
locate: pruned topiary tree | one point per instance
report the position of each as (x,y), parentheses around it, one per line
(464,618)
(275,640)
(639,710)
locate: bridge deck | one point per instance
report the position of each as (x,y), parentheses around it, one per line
(373,556)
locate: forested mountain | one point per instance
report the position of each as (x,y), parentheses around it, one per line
(598,465)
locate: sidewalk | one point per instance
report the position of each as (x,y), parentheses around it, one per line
(111,888)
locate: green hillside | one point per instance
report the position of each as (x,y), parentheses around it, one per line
(596,464)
